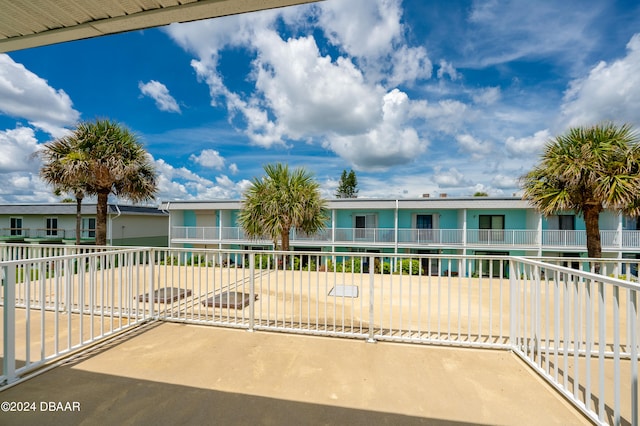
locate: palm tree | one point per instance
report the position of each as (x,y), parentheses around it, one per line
(588,170)
(65,169)
(280,201)
(108,159)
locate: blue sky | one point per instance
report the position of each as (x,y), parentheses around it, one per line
(415,96)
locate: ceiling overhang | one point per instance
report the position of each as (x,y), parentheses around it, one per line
(26,24)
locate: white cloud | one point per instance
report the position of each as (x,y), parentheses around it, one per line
(410,64)
(447,69)
(18,146)
(362,28)
(609,92)
(310,93)
(550,29)
(473,146)
(209,158)
(25,95)
(504,182)
(233,168)
(527,146)
(303,95)
(487,96)
(373,34)
(159,93)
(21,187)
(451,178)
(446,115)
(182,184)
(389,143)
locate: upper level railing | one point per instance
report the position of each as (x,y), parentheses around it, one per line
(388,236)
(47,233)
(14,232)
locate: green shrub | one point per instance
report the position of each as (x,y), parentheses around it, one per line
(410,267)
(310,266)
(170,261)
(264,261)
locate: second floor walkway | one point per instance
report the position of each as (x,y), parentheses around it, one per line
(626,240)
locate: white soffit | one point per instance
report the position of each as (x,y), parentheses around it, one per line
(26,24)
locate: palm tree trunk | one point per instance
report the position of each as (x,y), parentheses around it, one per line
(101,219)
(285,247)
(285,240)
(78,217)
(594,246)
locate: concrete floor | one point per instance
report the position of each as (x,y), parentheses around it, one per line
(168,373)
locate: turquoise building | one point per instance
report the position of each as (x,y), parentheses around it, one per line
(483,226)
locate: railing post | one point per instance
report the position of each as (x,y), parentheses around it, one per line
(632,315)
(252,290)
(537,317)
(152,280)
(371,338)
(68,284)
(9,321)
(512,303)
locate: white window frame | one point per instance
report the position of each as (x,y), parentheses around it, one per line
(16,230)
(51,231)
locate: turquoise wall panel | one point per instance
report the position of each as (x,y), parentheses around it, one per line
(189,218)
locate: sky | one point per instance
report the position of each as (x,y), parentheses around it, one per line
(417,97)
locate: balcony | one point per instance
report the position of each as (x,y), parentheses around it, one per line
(45,235)
(523,239)
(578,331)
(13,234)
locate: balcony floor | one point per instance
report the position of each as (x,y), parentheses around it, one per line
(168,373)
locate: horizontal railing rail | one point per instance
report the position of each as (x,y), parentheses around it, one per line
(14,232)
(52,233)
(577,329)
(626,239)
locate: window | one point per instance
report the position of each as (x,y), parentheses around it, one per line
(52,226)
(364,225)
(564,222)
(567,222)
(16,226)
(491,227)
(424,225)
(88,228)
(424,221)
(561,226)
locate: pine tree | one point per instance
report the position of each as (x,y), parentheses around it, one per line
(347,187)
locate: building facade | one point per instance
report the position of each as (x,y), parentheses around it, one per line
(484,226)
(56,223)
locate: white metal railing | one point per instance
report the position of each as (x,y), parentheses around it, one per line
(14,232)
(13,251)
(364,235)
(578,330)
(563,238)
(430,236)
(503,237)
(387,236)
(57,305)
(324,236)
(195,233)
(630,238)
